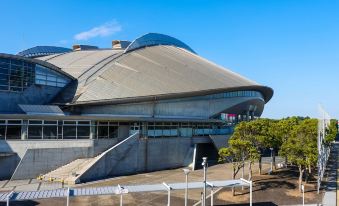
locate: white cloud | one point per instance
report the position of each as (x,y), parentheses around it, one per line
(106,29)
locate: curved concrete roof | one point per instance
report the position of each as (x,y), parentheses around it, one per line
(153,72)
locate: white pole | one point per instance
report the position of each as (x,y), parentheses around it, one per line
(168,192)
(204,164)
(250,193)
(67,201)
(186,171)
(211,186)
(9,197)
(250,183)
(169,198)
(303,189)
(212,196)
(120,199)
(186,195)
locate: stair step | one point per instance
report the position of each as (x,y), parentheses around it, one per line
(69,170)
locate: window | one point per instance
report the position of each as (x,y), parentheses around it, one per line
(15,75)
(102,130)
(69,130)
(83,129)
(13,130)
(2,129)
(50,129)
(45,76)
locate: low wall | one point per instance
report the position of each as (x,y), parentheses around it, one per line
(35,157)
(41,161)
(8,165)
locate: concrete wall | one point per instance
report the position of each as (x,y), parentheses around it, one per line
(142,155)
(35,157)
(8,165)
(40,161)
(20,146)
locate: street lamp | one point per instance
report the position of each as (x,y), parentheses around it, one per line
(186,171)
(271,160)
(204,164)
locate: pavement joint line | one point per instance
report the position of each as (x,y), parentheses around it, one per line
(39,186)
(4,185)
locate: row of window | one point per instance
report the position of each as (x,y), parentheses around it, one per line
(45,76)
(17,75)
(83,129)
(47,129)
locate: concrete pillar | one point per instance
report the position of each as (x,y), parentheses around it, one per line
(24,129)
(93,130)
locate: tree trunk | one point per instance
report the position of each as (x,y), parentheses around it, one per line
(233,177)
(274,165)
(250,170)
(309,169)
(301,171)
(260,165)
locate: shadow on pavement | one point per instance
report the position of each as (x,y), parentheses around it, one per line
(254,204)
(20,203)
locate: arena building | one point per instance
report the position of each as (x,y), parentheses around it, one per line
(89,113)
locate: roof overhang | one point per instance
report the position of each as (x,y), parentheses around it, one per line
(266,91)
(122,118)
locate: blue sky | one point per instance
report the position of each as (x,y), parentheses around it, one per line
(289,45)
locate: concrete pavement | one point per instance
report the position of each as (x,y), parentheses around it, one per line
(330,197)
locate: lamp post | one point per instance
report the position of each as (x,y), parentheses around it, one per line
(186,171)
(204,164)
(271,160)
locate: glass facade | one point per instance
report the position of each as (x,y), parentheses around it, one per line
(17,75)
(247,93)
(10,129)
(45,76)
(153,39)
(176,129)
(85,129)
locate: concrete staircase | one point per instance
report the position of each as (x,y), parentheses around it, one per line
(68,172)
(71,172)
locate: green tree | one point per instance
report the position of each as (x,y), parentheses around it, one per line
(242,146)
(331,132)
(300,147)
(264,136)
